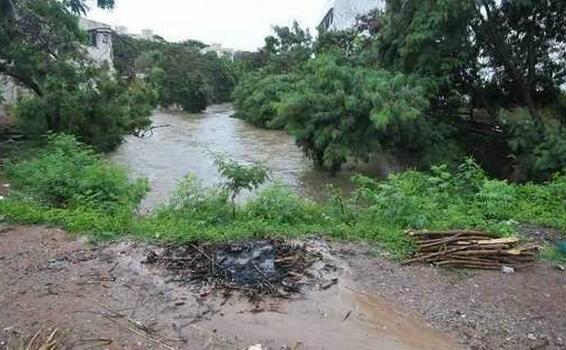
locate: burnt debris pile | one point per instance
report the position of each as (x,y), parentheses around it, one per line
(256,268)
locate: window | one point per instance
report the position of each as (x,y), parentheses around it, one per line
(92,38)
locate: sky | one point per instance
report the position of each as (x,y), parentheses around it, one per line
(237,24)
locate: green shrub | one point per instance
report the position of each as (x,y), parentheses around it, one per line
(70,186)
(68,174)
(195,202)
(257,98)
(338,112)
(279,204)
(89,104)
(238,177)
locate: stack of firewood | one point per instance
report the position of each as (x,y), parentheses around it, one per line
(472,249)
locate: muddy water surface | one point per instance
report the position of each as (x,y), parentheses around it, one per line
(188,143)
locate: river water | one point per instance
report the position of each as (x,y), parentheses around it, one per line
(188,144)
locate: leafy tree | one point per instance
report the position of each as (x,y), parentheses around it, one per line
(246,62)
(268,74)
(89,103)
(347,44)
(258,96)
(491,54)
(179,72)
(43,50)
(337,112)
(240,177)
(288,48)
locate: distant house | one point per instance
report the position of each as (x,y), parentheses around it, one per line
(342,14)
(218,50)
(100,40)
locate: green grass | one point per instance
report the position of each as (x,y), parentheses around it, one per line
(70,187)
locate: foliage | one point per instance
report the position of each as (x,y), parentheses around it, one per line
(551,154)
(466,198)
(278,204)
(337,111)
(347,44)
(266,75)
(257,98)
(70,186)
(179,72)
(487,59)
(88,103)
(287,49)
(465,64)
(238,177)
(42,50)
(204,205)
(69,175)
(538,159)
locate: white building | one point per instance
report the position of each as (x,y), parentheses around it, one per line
(219,50)
(342,14)
(100,40)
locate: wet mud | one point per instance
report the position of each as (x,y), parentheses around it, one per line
(106,297)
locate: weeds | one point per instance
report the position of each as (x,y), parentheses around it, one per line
(70,186)
(240,177)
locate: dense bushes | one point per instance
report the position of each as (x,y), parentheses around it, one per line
(69,175)
(69,185)
(336,112)
(258,96)
(88,103)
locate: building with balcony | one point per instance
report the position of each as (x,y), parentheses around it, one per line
(342,14)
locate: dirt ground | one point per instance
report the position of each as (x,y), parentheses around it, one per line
(104,297)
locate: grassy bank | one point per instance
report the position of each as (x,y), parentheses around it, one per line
(70,186)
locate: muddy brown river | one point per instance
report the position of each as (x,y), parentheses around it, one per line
(189,142)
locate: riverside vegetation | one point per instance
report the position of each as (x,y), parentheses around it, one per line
(428,81)
(435,82)
(69,185)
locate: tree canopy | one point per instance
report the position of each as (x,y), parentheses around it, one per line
(42,49)
(469,75)
(181,73)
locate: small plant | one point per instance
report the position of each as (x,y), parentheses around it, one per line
(240,177)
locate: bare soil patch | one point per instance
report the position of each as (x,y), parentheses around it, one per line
(106,297)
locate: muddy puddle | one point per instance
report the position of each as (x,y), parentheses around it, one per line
(108,298)
(320,316)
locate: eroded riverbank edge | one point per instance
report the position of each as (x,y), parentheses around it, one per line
(100,296)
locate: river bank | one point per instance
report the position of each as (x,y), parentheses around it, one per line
(103,296)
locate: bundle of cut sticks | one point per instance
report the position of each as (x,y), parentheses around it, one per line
(472,249)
